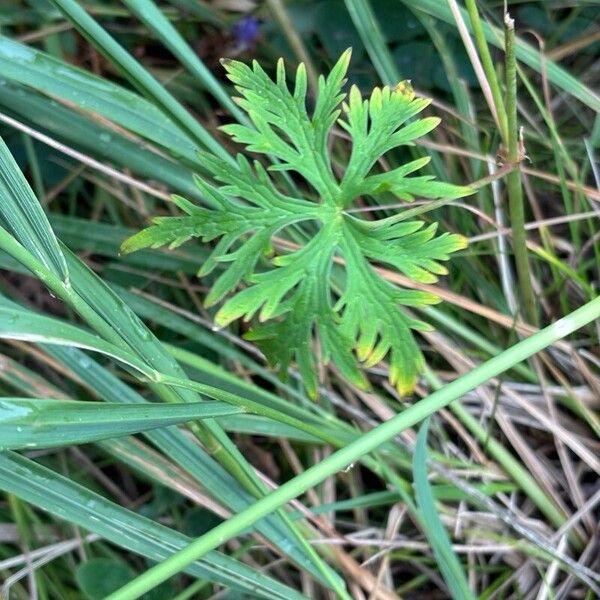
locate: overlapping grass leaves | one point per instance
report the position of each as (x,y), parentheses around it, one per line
(122,335)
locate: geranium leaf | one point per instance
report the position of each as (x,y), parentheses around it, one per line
(289,298)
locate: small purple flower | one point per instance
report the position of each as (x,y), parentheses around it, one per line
(246,31)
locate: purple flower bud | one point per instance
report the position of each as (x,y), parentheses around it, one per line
(246,31)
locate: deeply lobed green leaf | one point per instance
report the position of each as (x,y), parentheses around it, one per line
(290,298)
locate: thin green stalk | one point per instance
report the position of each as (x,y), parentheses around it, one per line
(34,166)
(567,200)
(488,67)
(295,41)
(365,444)
(560,155)
(513,179)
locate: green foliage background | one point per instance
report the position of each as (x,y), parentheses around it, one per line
(108,108)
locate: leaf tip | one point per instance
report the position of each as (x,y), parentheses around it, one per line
(461,242)
(131,244)
(346,56)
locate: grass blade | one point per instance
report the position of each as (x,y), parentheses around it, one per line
(370,33)
(44,423)
(42,72)
(433,527)
(138,76)
(20,324)
(75,130)
(24,217)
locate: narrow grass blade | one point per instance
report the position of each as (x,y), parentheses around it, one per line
(372,37)
(488,66)
(155,20)
(44,423)
(24,217)
(446,559)
(74,503)
(138,76)
(18,378)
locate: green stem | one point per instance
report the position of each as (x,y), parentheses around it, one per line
(488,67)
(363,445)
(513,179)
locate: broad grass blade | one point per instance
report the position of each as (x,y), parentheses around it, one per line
(93,94)
(21,324)
(44,423)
